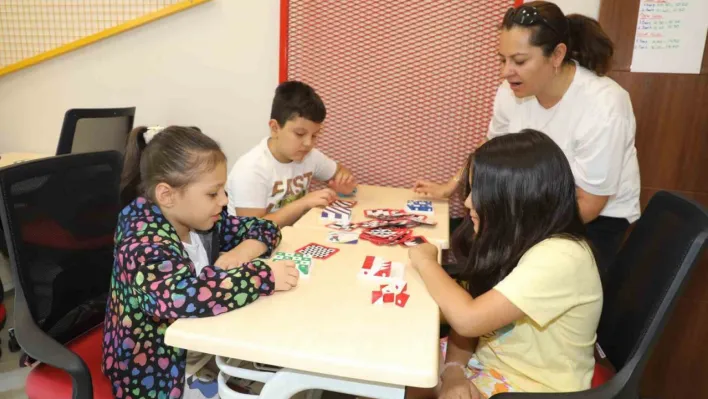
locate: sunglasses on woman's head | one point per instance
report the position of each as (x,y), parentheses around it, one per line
(528,16)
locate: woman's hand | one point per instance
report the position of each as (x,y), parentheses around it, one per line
(434,190)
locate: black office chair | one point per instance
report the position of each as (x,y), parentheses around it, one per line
(640,291)
(59,216)
(99,129)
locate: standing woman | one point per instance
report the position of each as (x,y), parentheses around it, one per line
(554,70)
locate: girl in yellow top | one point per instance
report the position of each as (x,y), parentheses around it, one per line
(529,319)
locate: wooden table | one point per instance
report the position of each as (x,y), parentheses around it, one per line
(10,158)
(326,329)
(372,197)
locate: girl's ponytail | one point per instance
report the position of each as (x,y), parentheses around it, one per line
(177,155)
(130,178)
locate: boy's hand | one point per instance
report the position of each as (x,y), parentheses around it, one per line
(344,188)
(343,181)
(322,197)
(343,175)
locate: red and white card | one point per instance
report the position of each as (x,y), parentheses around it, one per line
(384,214)
(414,241)
(422,219)
(393,292)
(386,235)
(378,268)
(342,226)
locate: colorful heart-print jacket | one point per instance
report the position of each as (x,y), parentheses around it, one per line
(154,283)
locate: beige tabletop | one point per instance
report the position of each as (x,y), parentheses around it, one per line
(373,197)
(327,324)
(11,158)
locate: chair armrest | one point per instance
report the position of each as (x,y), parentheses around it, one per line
(40,346)
(607,390)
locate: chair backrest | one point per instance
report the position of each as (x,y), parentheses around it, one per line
(99,129)
(59,216)
(642,285)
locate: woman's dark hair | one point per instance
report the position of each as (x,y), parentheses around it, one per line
(587,43)
(177,155)
(523,191)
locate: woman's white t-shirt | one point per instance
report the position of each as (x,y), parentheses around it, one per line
(594,126)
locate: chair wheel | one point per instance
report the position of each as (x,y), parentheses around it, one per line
(12,343)
(14,346)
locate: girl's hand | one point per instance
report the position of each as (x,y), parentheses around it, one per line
(243,253)
(422,254)
(285,274)
(230,260)
(458,388)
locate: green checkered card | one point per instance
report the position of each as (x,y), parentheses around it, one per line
(303,262)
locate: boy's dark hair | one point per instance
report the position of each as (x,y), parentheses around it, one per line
(523,191)
(293,99)
(177,156)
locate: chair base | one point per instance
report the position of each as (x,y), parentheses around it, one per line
(45,381)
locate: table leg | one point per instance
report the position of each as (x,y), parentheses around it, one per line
(288,382)
(285,383)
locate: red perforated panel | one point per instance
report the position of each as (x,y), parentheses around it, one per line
(408,86)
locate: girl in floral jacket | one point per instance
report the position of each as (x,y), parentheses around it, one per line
(178,254)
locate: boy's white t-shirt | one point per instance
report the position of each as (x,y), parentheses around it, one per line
(258,180)
(198,256)
(594,125)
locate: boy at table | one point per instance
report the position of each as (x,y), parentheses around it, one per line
(272,180)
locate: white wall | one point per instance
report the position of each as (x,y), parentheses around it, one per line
(590,8)
(214,66)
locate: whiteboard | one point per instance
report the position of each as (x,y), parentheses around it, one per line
(670,36)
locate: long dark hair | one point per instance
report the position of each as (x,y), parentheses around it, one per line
(523,191)
(177,156)
(587,42)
